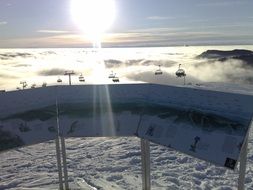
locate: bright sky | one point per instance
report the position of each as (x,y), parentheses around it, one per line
(48,23)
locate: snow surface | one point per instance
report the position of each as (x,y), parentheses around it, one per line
(114,163)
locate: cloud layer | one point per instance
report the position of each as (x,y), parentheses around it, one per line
(52,72)
(130,65)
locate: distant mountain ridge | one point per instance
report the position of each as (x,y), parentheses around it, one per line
(239,54)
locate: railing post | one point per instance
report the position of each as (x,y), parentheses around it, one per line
(58,157)
(243,163)
(61,151)
(64,162)
(145,160)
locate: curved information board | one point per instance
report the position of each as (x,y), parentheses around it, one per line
(209,125)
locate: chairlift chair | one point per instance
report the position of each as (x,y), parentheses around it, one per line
(81,78)
(115,79)
(112,75)
(59,80)
(180,72)
(159,71)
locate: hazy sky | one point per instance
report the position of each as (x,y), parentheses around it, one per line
(48,23)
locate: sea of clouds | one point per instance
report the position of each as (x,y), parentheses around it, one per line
(36,66)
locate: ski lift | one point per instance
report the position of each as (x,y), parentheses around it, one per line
(158,71)
(59,80)
(44,84)
(112,75)
(24,84)
(81,78)
(115,79)
(33,85)
(180,72)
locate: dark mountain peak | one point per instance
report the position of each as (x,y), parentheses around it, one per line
(218,54)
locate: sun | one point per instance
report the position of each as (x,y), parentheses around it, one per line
(93,17)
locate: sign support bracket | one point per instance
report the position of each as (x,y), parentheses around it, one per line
(243,163)
(145,160)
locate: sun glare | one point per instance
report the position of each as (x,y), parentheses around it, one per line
(93,17)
